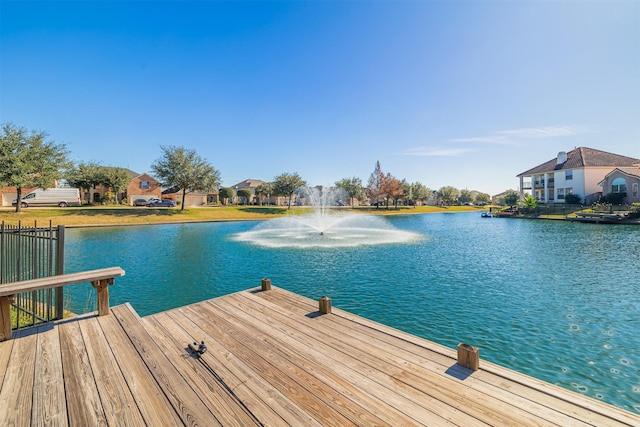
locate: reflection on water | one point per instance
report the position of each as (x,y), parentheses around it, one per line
(555,300)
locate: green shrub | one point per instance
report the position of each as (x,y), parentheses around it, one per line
(572,199)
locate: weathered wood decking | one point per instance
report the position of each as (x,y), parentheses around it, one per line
(272,359)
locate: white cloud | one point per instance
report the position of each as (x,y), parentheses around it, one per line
(504,137)
(543,132)
(509,136)
(437,152)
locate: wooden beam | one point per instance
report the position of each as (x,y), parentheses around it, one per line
(266,284)
(60,280)
(100,279)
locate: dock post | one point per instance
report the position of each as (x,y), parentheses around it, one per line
(266,284)
(5,317)
(325,305)
(102,286)
(468,356)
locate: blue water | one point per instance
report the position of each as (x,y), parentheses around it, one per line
(556,300)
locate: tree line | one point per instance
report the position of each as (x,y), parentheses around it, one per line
(28,160)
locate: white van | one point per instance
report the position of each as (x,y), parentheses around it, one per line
(62,197)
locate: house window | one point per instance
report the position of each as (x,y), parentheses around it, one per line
(568,191)
(568,175)
(144,185)
(560,193)
(634,189)
(619,185)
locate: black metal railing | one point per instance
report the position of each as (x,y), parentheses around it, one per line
(32,253)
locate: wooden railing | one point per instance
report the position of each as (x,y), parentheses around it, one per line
(100,279)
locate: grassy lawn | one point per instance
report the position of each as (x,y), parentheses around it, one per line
(115,215)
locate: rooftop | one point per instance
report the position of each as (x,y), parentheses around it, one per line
(582,157)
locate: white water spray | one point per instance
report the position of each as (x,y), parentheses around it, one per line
(324,226)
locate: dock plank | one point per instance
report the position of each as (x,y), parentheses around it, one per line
(271,405)
(351,365)
(243,344)
(119,406)
(185,401)
(17,386)
(83,400)
(227,409)
(49,403)
(153,404)
(5,352)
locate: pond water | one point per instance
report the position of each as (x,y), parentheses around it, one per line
(556,300)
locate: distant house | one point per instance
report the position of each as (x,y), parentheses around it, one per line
(623,181)
(579,171)
(191,198)
(248,184)
(141,186)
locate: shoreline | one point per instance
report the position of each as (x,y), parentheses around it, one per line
(116,216)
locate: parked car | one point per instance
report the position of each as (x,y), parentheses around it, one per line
(140,202)
(161,204)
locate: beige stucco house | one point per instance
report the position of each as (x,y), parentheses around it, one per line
(579,171)
(623,181)
(248,184)
(191,198)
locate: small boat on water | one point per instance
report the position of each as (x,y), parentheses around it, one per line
(486,215)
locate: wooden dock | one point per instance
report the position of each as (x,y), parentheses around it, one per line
(272,359)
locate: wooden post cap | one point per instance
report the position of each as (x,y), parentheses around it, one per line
(325,305)
(468,356)
(266,284)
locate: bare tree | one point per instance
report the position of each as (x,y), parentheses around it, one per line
(375,184)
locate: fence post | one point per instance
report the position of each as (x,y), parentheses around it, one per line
(60,270)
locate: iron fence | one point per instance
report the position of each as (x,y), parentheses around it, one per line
(30,253)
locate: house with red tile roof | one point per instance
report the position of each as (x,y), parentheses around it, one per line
(623,181)
(579,171)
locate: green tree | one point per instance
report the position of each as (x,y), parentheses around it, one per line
(85,176)
(265,191)
(448,195)
(184,169)
(245,194)
(28,160)
(420,192)
(483,198)
(115,178)
(465,196)
(375,185)
(529,204)
(511,197)
(286,184)
(407,188)
(226,193)
(353,187)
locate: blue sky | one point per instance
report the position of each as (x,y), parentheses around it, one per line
(462,93)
